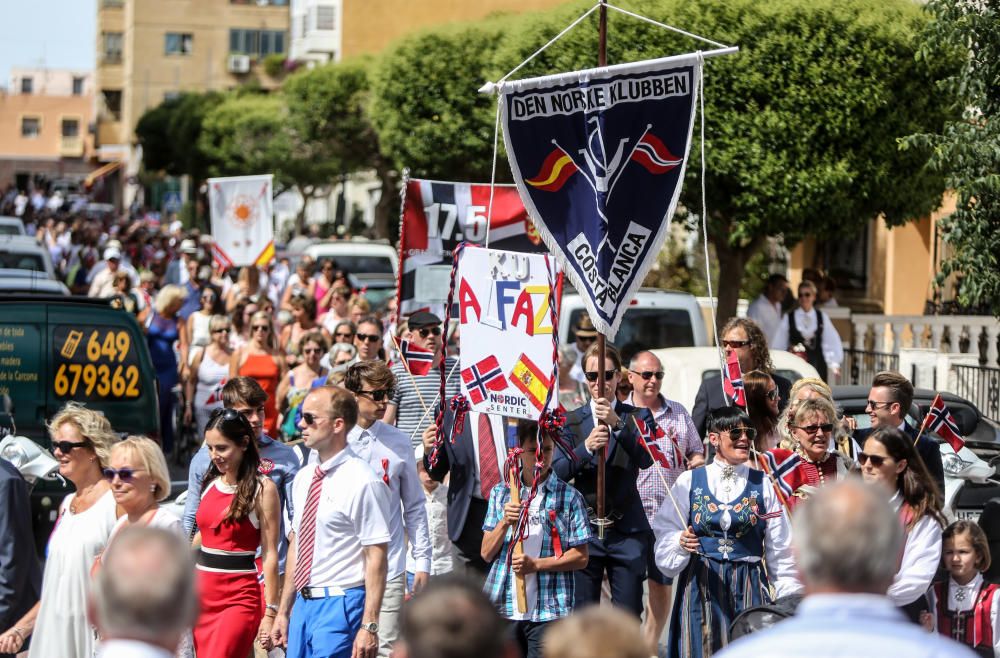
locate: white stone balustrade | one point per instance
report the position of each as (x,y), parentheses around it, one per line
(943,333)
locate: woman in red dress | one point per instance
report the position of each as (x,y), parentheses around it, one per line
(262,360)
(815,464)
(238,513)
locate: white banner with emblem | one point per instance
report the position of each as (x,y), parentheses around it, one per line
(242,220)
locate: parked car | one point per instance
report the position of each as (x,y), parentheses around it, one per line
(684,369)
(655,318)
(21,252)
(372,266)
(11,226)
(982,441)
(30,282)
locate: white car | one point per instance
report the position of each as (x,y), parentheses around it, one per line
(685,367)
(371,265)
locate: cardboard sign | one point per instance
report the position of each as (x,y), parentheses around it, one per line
(506,321)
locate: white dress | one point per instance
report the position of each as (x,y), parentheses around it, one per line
(200,334)
(62,628)
(208,390)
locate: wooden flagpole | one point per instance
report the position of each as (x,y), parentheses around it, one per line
(518,548)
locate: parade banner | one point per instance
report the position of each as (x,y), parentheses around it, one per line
(599,158)
(242,220)
(506,324)
(437,216)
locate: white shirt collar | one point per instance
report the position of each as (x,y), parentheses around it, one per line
(338,459)
(963,597)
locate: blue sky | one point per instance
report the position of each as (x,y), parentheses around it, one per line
(50,33)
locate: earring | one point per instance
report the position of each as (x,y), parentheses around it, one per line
(152,489)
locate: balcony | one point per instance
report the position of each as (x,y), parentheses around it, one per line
(71,147)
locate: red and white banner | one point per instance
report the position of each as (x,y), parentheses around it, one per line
(437,216)
(242,220)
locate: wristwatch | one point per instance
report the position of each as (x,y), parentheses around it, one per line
(620,425)
(371,627)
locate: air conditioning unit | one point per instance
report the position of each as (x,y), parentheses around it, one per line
(239,63)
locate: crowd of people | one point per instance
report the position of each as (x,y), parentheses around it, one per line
(327,501)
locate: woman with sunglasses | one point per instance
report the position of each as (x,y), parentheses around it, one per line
(238,513)
(816,461)
(889,460)
(261,360)
(344,332)
(300,380)
(199,321)
(762,406)
(209,370)
(728,522)
(368,339)
(304,322)
(58,626)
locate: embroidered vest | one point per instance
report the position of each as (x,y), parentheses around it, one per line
(729,531)
(972,627)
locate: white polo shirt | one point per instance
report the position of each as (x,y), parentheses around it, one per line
(353,513)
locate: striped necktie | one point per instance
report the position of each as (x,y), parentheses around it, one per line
(307,532)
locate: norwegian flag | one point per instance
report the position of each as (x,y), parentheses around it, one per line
(415,358)
(733,383)
(215,395)
(783,472)
(940,421)
(482,377)
(648,435)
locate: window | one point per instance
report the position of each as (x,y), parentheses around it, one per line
(78,86)
(325,15)
(70,127)
(27,84)
(112,42)
(178,43)
(112,3)
(171,95)
(113,102)
(256,42)
(31,127)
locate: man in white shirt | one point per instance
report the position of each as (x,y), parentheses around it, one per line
(103,284)
(389,452)
(848,541)
(336,568)
(766,309)
(143,598)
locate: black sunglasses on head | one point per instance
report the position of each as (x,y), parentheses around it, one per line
(608,375)
(230,417)
(649,374)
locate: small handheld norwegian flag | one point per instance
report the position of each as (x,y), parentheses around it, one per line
(733,382)
(415,358)
(940,421)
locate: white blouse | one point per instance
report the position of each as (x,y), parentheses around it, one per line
(671,558)
(921,557)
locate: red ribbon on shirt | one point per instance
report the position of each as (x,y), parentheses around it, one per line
(385,470)
(556,542)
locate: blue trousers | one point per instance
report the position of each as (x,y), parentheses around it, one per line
(325,628)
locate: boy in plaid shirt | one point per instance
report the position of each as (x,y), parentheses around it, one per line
(555,545)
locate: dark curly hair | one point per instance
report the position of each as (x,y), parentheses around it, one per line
(758,342)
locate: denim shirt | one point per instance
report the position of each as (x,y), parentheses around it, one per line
(284,465)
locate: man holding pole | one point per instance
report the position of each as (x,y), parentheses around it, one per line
(552,545)
(416,397)
(609,428)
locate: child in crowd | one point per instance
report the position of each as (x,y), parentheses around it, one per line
(967,606)
(554,546)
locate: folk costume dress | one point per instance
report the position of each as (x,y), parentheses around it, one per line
(799,477)
(968,614)
(740,524)
(231,603)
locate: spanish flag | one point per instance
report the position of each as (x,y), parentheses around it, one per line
(556,170)
(265,256)
(529,379)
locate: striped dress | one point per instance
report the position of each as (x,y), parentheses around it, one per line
(719,582)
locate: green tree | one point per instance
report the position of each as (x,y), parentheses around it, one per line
(169,135)
(802,124)
(967,149)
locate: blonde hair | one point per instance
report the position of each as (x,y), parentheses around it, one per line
(359,302)
(151,458)
(814,384)
(168,296)
(92,425)
(272,341)
(595,632)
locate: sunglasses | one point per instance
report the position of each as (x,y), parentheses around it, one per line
(805,294)
(826,428)
(342,335)
(311,418)
(312,350)
(874,405)
(126,475)
(261,327)
(738,433)
(649,374)
(735,344)
(231,417)
(586,339)
(221,330)
(424,333)
(379,395)
(374,338)
(608,375)
(876,460)
(65,447)
(772,394)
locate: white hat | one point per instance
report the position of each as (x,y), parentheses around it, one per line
(112,252)
(189,246)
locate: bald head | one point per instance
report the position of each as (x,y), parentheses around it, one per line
(847,539)
(645,373)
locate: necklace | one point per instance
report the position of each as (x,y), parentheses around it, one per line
(82,498)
